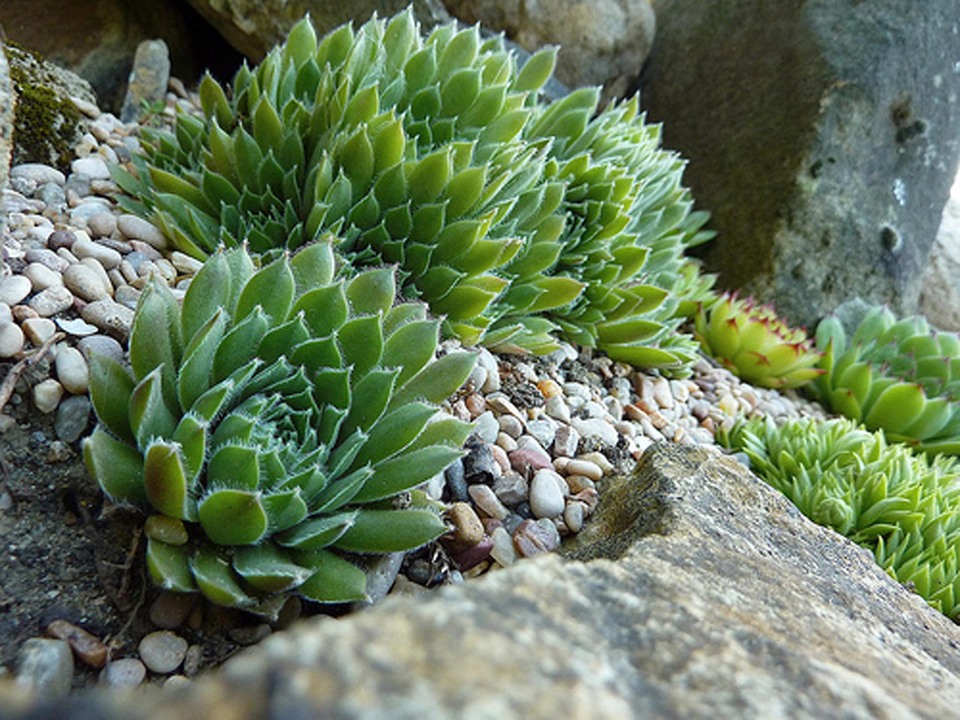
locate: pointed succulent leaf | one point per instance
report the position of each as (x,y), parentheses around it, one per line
(216,579)
(334,580)
(115,465)
(149,415)
(269,568)
(110,390)
(233,517)
(438,380)
(317,533)
(383,531)
(165,480)
(169,567)
(536,70)
(407,471)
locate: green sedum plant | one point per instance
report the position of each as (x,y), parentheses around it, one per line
(273,424)
(753,342)
(896,375)
(901,505)
(516,221)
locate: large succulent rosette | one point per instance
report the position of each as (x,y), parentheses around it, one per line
(897,503)
(893,374)
(514,220)
(272,424)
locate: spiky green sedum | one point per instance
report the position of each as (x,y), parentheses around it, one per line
(896,375)
(754,343)
(271,425)
(513,219)
(899,504)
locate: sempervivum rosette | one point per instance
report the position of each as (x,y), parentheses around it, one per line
(753,342)
(902,506)
(896,375)
(273,424)
(512,221)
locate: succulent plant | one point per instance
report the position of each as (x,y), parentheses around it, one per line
(273,424)
(753,342)
(897,503)
(896,375)
(512,219)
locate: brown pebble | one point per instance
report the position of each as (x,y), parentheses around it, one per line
(88,649)
(476,404)
(61,239)
(467,528)
(533,537)
(474,556)
(170,610)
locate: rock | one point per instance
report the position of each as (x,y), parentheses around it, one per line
(41,277)
(38,330)
(467,529)
(479,465)
(13,289)
(51,301)
(136,228)
(602,42)
(940,296)
(162,651)
(255,26)
(596,430)
(84,283)
(125,672)
(824,169)
(546,495)
(86,248)
(148,78)
(46,395)
(45,668)
(110,317)
(72,370)
(47,123)
(100,344)
(73,416)
(170,610)
(7,106)
(11,339)
(102,224)
(38,173)
(86,647)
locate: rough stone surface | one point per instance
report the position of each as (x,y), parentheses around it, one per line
(823,135)
(255,26)
(697,591)
(148,78)
(602,42)
(7,102)
(940,297)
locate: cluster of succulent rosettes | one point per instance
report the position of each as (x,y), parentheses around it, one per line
(896,375)
(754,343)
(273,424)
(513,219)
(898,503)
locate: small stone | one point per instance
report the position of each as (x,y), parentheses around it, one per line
(573,516)
(511,488)
(100,345)
(557,408)
(72,370)
(596,430)
(47,257)
(102,224)
(533,537)
(467,528)
(58,452)
(191,663)
(11,339)
(41,277)
(580,466)
(86,248)
(14,288)
(456,482)
(501,405)
(543,429)
(546,496)
(148,78)
(110,317)
(76,327)
(73,416)
(510,425)
(162,651)
(488,362)
(92,166)
(528,459)
(507,444)
(45,667)
(136,228)
(661,392)
(125,672)
(46,395)
(576,483)
(84,283)
(479,465)
(248,634)
(566,441)
(51,301)
(63,238)
(486,427)
(600,460)
(6,315)
(503,550)
(38,173)
(87,648)
(473,556)
(487,501)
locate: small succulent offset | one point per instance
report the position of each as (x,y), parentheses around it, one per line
(515,220)
(897,503)
(273,425)
(896,375)
(754,343)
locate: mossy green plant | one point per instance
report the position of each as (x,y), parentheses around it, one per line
(515,220)
(274,424)
(901,505)
(898,375)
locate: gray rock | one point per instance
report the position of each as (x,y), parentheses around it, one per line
(73,416)
(696,591)
(45,668)
(162,651)
(602,42)
(7,103)
(148,78)
(823,136)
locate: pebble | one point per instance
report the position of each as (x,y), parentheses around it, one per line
(467,529)
(162,651)
(596,430)
(11,339)
(87,648)
(479,465)
(573,515)
(527,460)
(73,417)
(110,317)
(72,370)
(456,482)
(533,537)
(125,672)
(93,166)
(586,468)
(38,173)
(41,277)
(45,667)
(107,257)
(503,550)
(14,288)
(487,501)
(102,224)
(136,228)
(84,282)
(46,395)
(51,301)
(546,497)
(100,345)
(512,488)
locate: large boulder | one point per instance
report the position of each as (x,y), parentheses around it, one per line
(697,591)
(822,134)
(255,26)
(602,42)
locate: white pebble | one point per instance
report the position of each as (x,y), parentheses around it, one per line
(84,282)
(556,407)
(6,315)
(546,495)
(584,467)
(13,289)
(93,166)
(39,173)
(573,516)
(51,301)
(46,395)
(110,317)
(72,370)
(41,277)
(162,651)
(596,430)
(102,224)
(487,501)
(11,339)
(108,257)
(136,228)
(503,550)
(185,263)
(38,330)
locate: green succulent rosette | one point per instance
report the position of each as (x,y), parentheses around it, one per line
(754,343)
(514,220)
(901,505)
(273,424)
(893,374)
